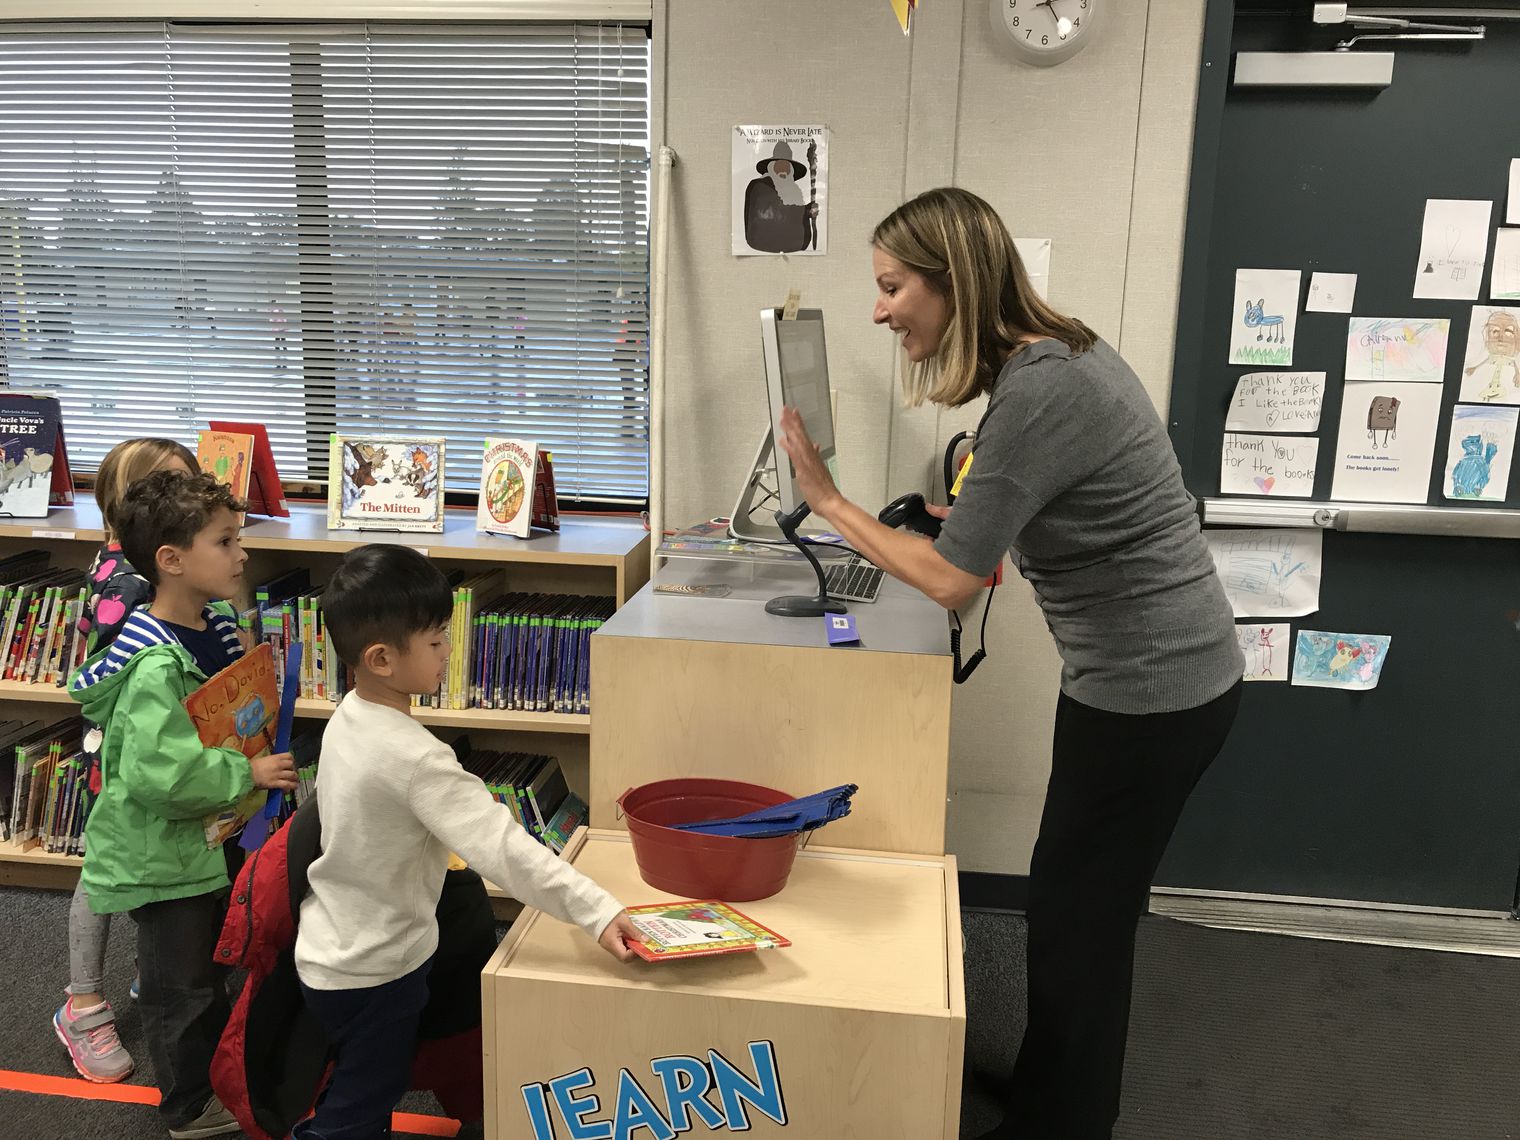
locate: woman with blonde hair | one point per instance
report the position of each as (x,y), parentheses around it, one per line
(1073,473)
(85,1023)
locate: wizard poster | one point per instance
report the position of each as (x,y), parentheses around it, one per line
(780,190)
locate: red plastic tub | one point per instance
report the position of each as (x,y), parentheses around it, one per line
(706,866)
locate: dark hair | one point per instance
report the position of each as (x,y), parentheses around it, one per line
(168,508)
(383,594)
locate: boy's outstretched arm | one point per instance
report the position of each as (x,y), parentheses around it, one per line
(456,807)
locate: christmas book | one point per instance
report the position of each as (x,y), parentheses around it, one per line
(516,489)
(228,458)
(264,493)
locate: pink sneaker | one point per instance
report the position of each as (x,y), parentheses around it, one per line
(90,1037)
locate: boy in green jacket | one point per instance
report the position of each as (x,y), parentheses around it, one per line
(145,850)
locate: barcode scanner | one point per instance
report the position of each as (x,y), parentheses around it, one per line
(909,512)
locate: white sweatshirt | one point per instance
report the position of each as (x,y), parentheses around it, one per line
(394,802)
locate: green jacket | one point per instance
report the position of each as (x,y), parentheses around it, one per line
(144,841)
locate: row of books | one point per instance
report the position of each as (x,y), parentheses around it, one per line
(528,652)
(40,608)
(45,797)
(286,610)
(534,789)
(513,651)
(44,785)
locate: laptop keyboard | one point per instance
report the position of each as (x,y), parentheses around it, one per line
(853,581)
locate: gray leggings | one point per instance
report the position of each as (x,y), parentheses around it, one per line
(88,932)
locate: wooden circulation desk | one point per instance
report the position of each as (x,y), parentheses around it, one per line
(855,1032)
(701,686)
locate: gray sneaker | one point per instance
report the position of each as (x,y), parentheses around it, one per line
(214,1121)
(90,1037)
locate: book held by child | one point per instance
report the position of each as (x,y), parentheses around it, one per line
(238,708)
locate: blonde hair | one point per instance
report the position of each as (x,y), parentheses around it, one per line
(960,246)
(128,462)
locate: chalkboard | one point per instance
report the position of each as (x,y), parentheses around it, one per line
(1408,793)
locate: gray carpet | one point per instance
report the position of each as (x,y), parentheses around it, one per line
(1232,1035)
(1261,1037)
(1255,1036)
(34,964)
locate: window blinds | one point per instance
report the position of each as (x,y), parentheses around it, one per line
(370,227)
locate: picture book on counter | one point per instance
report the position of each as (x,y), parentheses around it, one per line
(226,456)
(34,464)
(385,482)
(698,929)
(516,489)
(240,454)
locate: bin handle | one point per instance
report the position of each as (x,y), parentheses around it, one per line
(619,802)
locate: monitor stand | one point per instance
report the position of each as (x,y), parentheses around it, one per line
(760,498)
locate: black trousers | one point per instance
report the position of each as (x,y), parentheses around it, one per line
(374,1031)
(1117,787)
(183,998)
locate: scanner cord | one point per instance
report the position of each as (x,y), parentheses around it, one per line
(963,672)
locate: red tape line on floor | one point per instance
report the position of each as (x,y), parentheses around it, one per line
(424,1125)
(412,1123)
(76,1088)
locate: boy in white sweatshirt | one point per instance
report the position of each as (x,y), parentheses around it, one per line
(394,802)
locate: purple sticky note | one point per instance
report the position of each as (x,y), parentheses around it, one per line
(841,629)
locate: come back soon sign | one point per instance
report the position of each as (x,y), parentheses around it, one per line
(679,1095)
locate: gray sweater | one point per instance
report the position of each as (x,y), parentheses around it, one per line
(1073,473)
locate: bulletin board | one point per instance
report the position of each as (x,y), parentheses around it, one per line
(1408,793)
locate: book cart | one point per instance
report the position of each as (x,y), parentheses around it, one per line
(595,555)
(855,1030)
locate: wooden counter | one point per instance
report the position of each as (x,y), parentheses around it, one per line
(857,1030)
(693,686)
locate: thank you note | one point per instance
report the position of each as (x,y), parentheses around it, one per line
(1276,465)
(1276,401)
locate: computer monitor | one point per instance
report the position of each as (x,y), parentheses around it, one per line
(797,375)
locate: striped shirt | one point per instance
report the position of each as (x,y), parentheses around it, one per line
(143,630)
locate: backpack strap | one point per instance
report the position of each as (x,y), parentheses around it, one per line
(303,845)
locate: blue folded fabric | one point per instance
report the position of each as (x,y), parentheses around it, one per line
(790,818)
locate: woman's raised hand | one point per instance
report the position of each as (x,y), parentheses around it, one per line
(813,478)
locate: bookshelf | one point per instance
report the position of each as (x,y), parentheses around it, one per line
(578,724)
(603,555)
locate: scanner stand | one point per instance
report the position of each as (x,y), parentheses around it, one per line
(803,605)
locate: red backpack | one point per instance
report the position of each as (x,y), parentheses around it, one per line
(273,1057)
